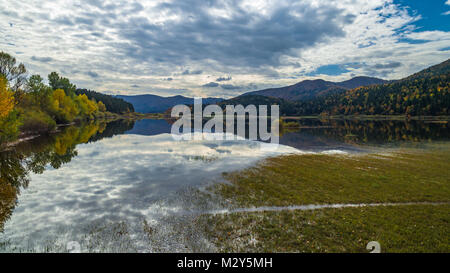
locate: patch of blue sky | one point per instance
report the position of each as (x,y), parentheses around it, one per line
(330,70)
(412,41)
(432,13)
(369,44)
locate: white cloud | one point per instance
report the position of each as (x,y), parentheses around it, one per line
(447,12)
(264,42)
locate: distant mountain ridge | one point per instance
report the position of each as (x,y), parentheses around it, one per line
(426,93)
(310,89)
(157,104)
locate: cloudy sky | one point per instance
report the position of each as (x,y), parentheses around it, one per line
(222,48)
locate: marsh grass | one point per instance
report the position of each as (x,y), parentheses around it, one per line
(416,228)
(407,175)
(404,175)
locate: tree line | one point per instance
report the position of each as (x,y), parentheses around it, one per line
(29,105)
(112,104)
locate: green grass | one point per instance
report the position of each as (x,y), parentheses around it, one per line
(416,228)
(408,175)
(402,176)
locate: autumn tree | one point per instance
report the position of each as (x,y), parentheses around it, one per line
(65,107)
(101,106)
(14,74)
(6,99)
(9,123)
(87,107)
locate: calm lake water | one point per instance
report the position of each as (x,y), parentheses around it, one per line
(108,186)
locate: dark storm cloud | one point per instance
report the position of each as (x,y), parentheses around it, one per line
(223,79)
(42,59)
(246,39)
(211,84)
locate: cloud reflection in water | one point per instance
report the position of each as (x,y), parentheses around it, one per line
(124,178)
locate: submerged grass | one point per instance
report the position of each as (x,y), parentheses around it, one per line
(407,175)
(401,176)
(415,228)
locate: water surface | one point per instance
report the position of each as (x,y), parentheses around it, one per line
(104,185)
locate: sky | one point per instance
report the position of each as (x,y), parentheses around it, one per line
(222,48)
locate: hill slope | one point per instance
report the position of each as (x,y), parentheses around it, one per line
(310,89)
(157,104)
(424,93)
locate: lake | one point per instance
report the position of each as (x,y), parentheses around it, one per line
(104,187)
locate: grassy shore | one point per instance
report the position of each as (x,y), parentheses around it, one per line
(396,177)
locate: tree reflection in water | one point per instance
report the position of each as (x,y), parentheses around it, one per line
(54,150)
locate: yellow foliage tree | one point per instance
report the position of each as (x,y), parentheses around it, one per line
(101,106)
(87,107)
(65,107)
(6,99)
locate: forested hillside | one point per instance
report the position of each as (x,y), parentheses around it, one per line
(424,93)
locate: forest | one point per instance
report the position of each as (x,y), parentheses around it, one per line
(426,93)
(29,106)
(112,104)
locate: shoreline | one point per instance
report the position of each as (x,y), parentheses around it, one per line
(27,136)
(370,117)
(30,135)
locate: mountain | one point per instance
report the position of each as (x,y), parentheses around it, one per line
(439,69)
(360,81)
(310,89)
(426,93)
(157,104)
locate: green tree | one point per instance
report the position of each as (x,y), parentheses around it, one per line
(14,74)
(57,82)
